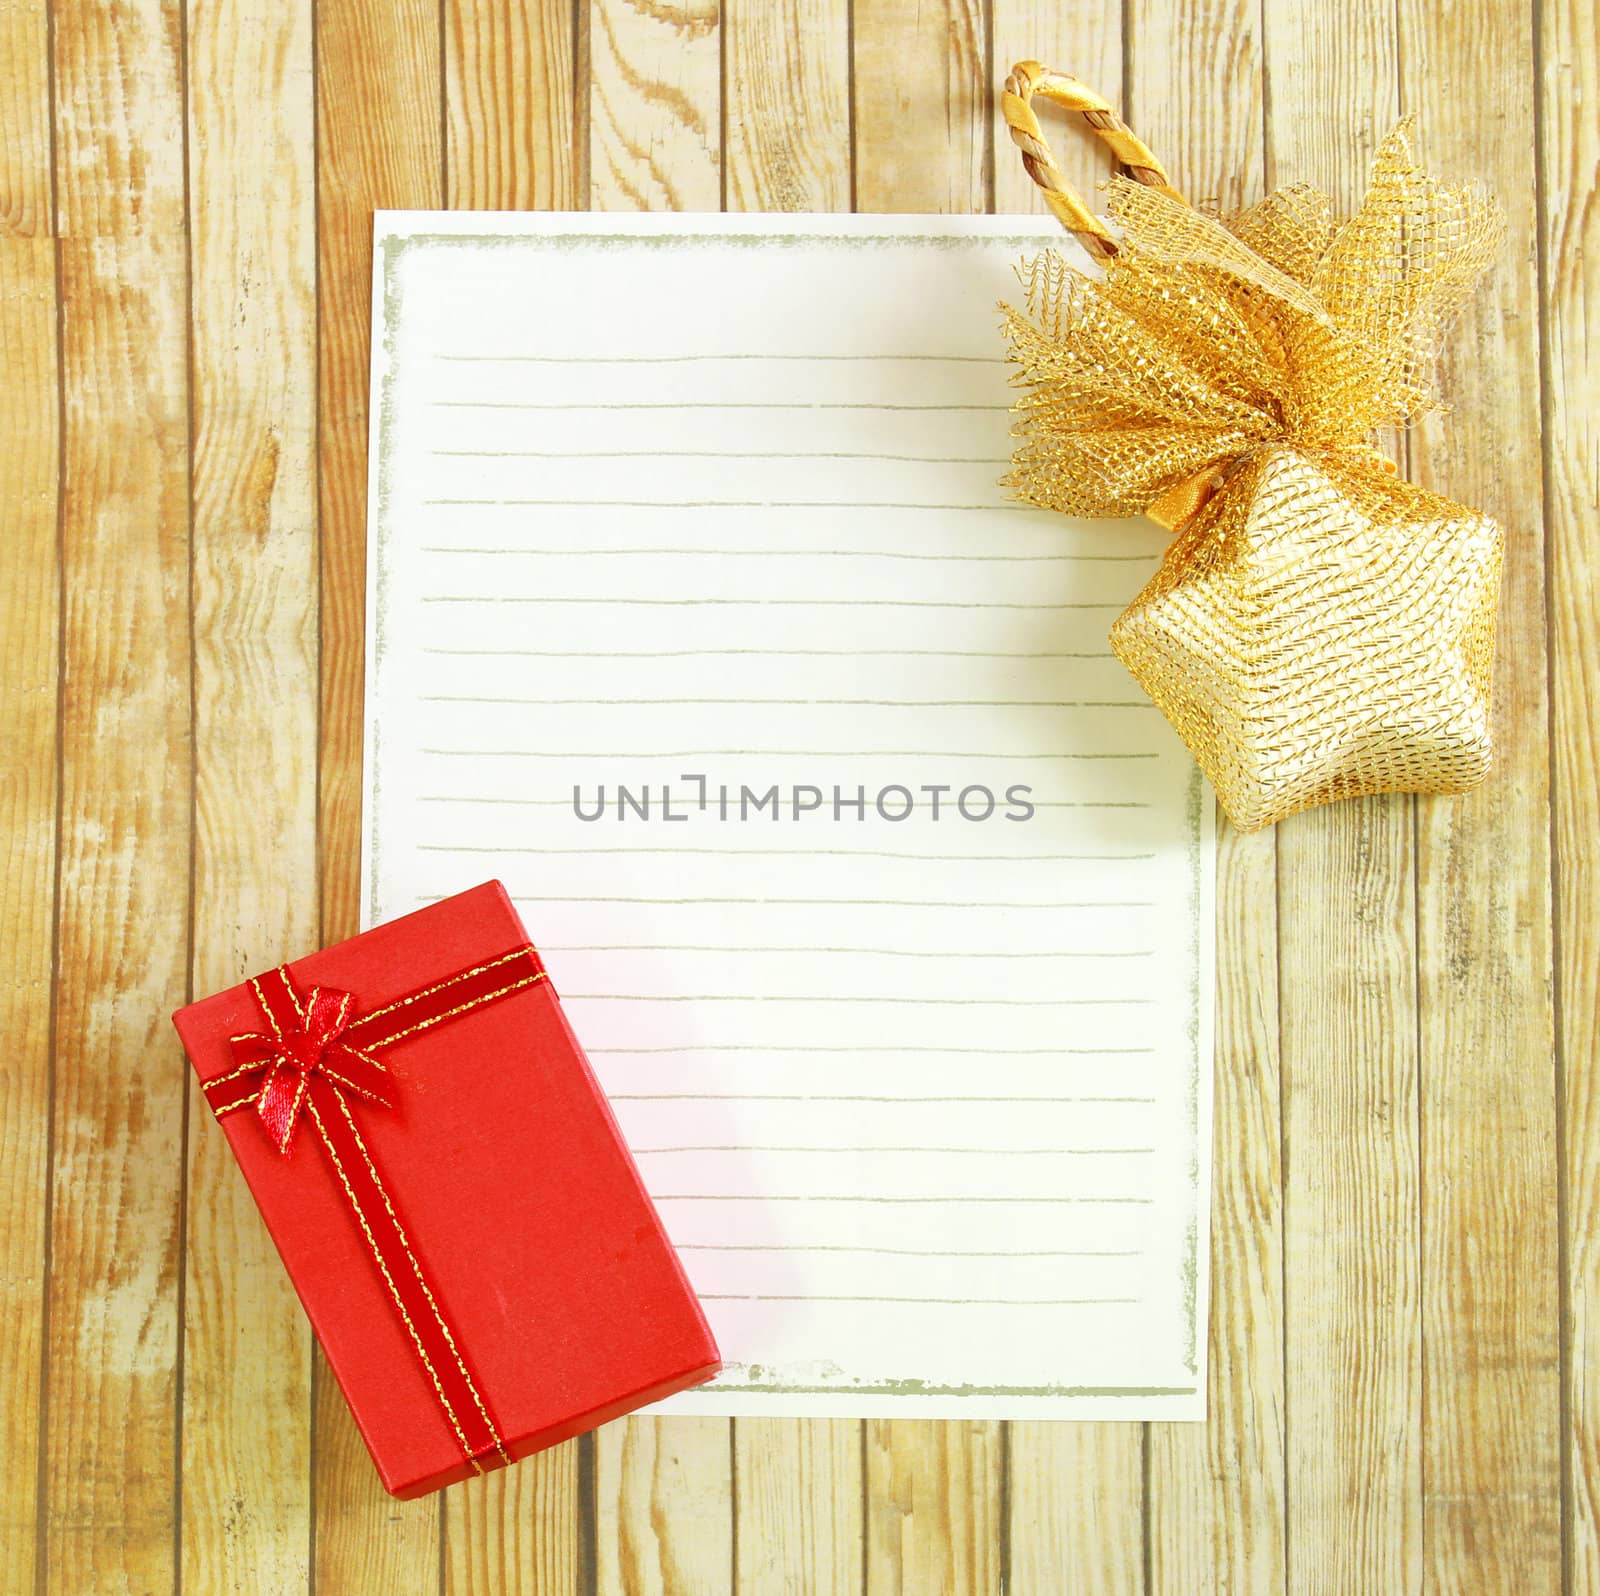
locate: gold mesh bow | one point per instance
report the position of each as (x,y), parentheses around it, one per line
(1319,628)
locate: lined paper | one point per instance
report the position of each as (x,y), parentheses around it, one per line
(878,894)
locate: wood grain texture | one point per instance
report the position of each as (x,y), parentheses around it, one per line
(378,145)
(519,1532)
(26,202)
(1197,93)
(110,1397)
(1569,306)
(654,105)
(663,1508)
(786,88)
(934,1519)
(30,622)
(1077,1508)
(1348,1003)
(509,73)
(924,98)
(1490,1255)
(119,123)
(798,1499)
(247,1351)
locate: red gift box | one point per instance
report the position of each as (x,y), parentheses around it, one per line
(449,1192)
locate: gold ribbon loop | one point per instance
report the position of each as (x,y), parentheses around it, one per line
(1134,157)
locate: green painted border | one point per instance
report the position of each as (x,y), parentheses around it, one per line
(393,248)
(921,1388)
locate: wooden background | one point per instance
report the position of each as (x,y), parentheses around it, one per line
(1407,1241)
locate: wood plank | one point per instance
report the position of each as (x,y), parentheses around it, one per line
(117,1148)
(662,1521)
(786,87)
(246,1420)
(110,1396)
(934,1491)
(934,1507)
(1491,1440)
(509,73)
(1348,992)
(25,175)
(1075,1491)
(797,1482)
(798,1506)
(119,132)
(923,105)
(1569,304)
(520,1531)
(378,144)
(654,105)
(1077,1497)
(1197,94)
(1216,1506)
(30,730)
(30,619)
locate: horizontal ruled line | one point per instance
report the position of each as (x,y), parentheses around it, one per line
(833,1097)
(735,504)
(763,603)
(793,853)
(834,997)
(803,703)
(901,1252)
(976,1152)
(763,653)
(566,803)
(984,1052)
(844,903)
(757,753)
(829,554)
(705,404)
(743,355)
(892,1392)
(949,1302)
(821,1197)
(719,454)
(896,953)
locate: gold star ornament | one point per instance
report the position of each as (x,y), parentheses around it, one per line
(1334,640)
(1320,628)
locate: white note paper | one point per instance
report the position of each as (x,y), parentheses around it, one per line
(876,890)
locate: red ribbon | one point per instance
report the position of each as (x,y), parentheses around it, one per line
(317,1053)
(311,1044)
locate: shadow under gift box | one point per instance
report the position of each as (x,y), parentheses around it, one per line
(516,1193)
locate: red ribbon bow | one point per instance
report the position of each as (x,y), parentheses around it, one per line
(312,1047)
(315,1051)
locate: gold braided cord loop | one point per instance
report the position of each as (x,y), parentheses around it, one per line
(1319,629)
(1134,157)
